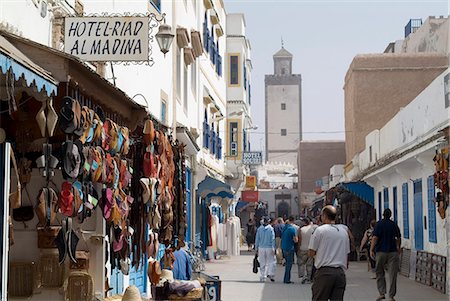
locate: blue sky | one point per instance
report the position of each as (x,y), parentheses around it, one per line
(323,36)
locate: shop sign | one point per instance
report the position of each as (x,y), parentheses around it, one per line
(252,158)
(250,182)
(249,196)
(98,39)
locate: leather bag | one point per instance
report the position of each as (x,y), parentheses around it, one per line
(46,236)
(24,213)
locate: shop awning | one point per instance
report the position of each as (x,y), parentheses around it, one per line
(210,187)
(241,205)
(362,190)
(13,59)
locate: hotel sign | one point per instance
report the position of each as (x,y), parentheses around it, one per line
(252,158)
(98,39)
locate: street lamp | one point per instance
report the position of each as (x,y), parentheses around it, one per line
(164,37)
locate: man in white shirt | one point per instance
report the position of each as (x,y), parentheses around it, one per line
(304,262)
(330,244)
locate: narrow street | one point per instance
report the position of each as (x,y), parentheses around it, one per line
(239,283)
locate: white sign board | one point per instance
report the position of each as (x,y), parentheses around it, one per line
(98,39)
(252,158)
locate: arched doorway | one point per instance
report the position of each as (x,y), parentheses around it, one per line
(283,209)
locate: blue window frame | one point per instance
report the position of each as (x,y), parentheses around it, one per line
(394,200)
(379,205)
(249,94)
(386,198)
(431,210)
(405,210)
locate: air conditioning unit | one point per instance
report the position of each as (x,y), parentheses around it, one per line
(234,149)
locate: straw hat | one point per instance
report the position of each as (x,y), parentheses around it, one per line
(132,294)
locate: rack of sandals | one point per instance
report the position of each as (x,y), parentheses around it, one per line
(133,180)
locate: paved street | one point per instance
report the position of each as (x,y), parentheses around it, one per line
(239,283)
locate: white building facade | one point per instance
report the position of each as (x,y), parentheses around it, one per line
(398,162)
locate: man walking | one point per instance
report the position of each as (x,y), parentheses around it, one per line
(330,244)
(304,262)
(386,241)
(278,228)
(288,238)
(265,246)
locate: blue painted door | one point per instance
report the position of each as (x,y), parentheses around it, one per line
(394,202)
(116,282)
(418,215)
(188,204)
(137,277)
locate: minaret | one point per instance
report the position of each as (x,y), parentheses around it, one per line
(283,110)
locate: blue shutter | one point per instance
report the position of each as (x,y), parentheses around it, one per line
(219,64)
(213,141)
(245,77)
(386,198)
(219,148)
(431,211)
(205,134)
(405,209)
(379,205)
(395,200)
(249,94)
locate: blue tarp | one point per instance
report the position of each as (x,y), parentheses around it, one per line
(210,187)
(362,190)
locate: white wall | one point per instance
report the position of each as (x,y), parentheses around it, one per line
(420,119)
(23,17)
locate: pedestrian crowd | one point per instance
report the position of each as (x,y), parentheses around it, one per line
(322,250)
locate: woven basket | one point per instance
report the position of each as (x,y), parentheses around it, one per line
(52,273)
(194,294)
(20,281)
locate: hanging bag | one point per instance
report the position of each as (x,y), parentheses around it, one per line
(24,213)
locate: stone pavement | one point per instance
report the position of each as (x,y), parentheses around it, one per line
(240,284)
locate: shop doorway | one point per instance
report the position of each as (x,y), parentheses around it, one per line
(284,210)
